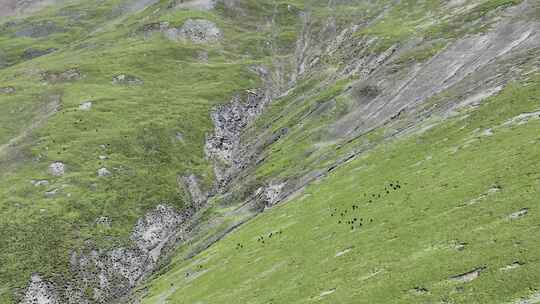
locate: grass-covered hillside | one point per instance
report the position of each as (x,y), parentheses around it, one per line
(246,151)
(146,134)
(398,225)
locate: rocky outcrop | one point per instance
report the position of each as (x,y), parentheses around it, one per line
(203,5)
(102,276)
(40,292)
(224,147)
(477,62)
(198,31)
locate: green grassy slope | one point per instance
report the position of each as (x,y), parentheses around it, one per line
(457,186)
(449,216)
(150,134)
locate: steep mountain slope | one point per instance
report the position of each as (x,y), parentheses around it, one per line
(393,144)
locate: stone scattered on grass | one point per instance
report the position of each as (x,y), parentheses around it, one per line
(518,214)
(125,79)
(202,56)
(64,76)
(85,106)
(197,31)
(7,90)
(326,293)
(103,172)
(512,266)
(57,168)
(467,276)
(103,221)
(488,132)
(460,246)
(179,137)
(418,290)
(51,193)
(38,183)
(343,252)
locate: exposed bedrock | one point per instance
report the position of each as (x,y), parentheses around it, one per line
(490,55)
(198,31)
(224,146)
(102,276)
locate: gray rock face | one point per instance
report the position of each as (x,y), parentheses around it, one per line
(192,185)
(273,193)
(153,231)
(203,5)
(463,60)
(196,31)
(223,147)
(112,274)
(57,169)
(40,29)
(40,292)
(18,7)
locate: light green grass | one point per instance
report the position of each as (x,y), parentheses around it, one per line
(137,125)
(411,241)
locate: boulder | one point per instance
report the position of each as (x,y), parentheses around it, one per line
(125,79)
(104,172)
(7,90)
(57,169)
(196,31)
(85,106)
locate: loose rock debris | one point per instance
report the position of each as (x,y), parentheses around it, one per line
(468,276)
(519,214)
